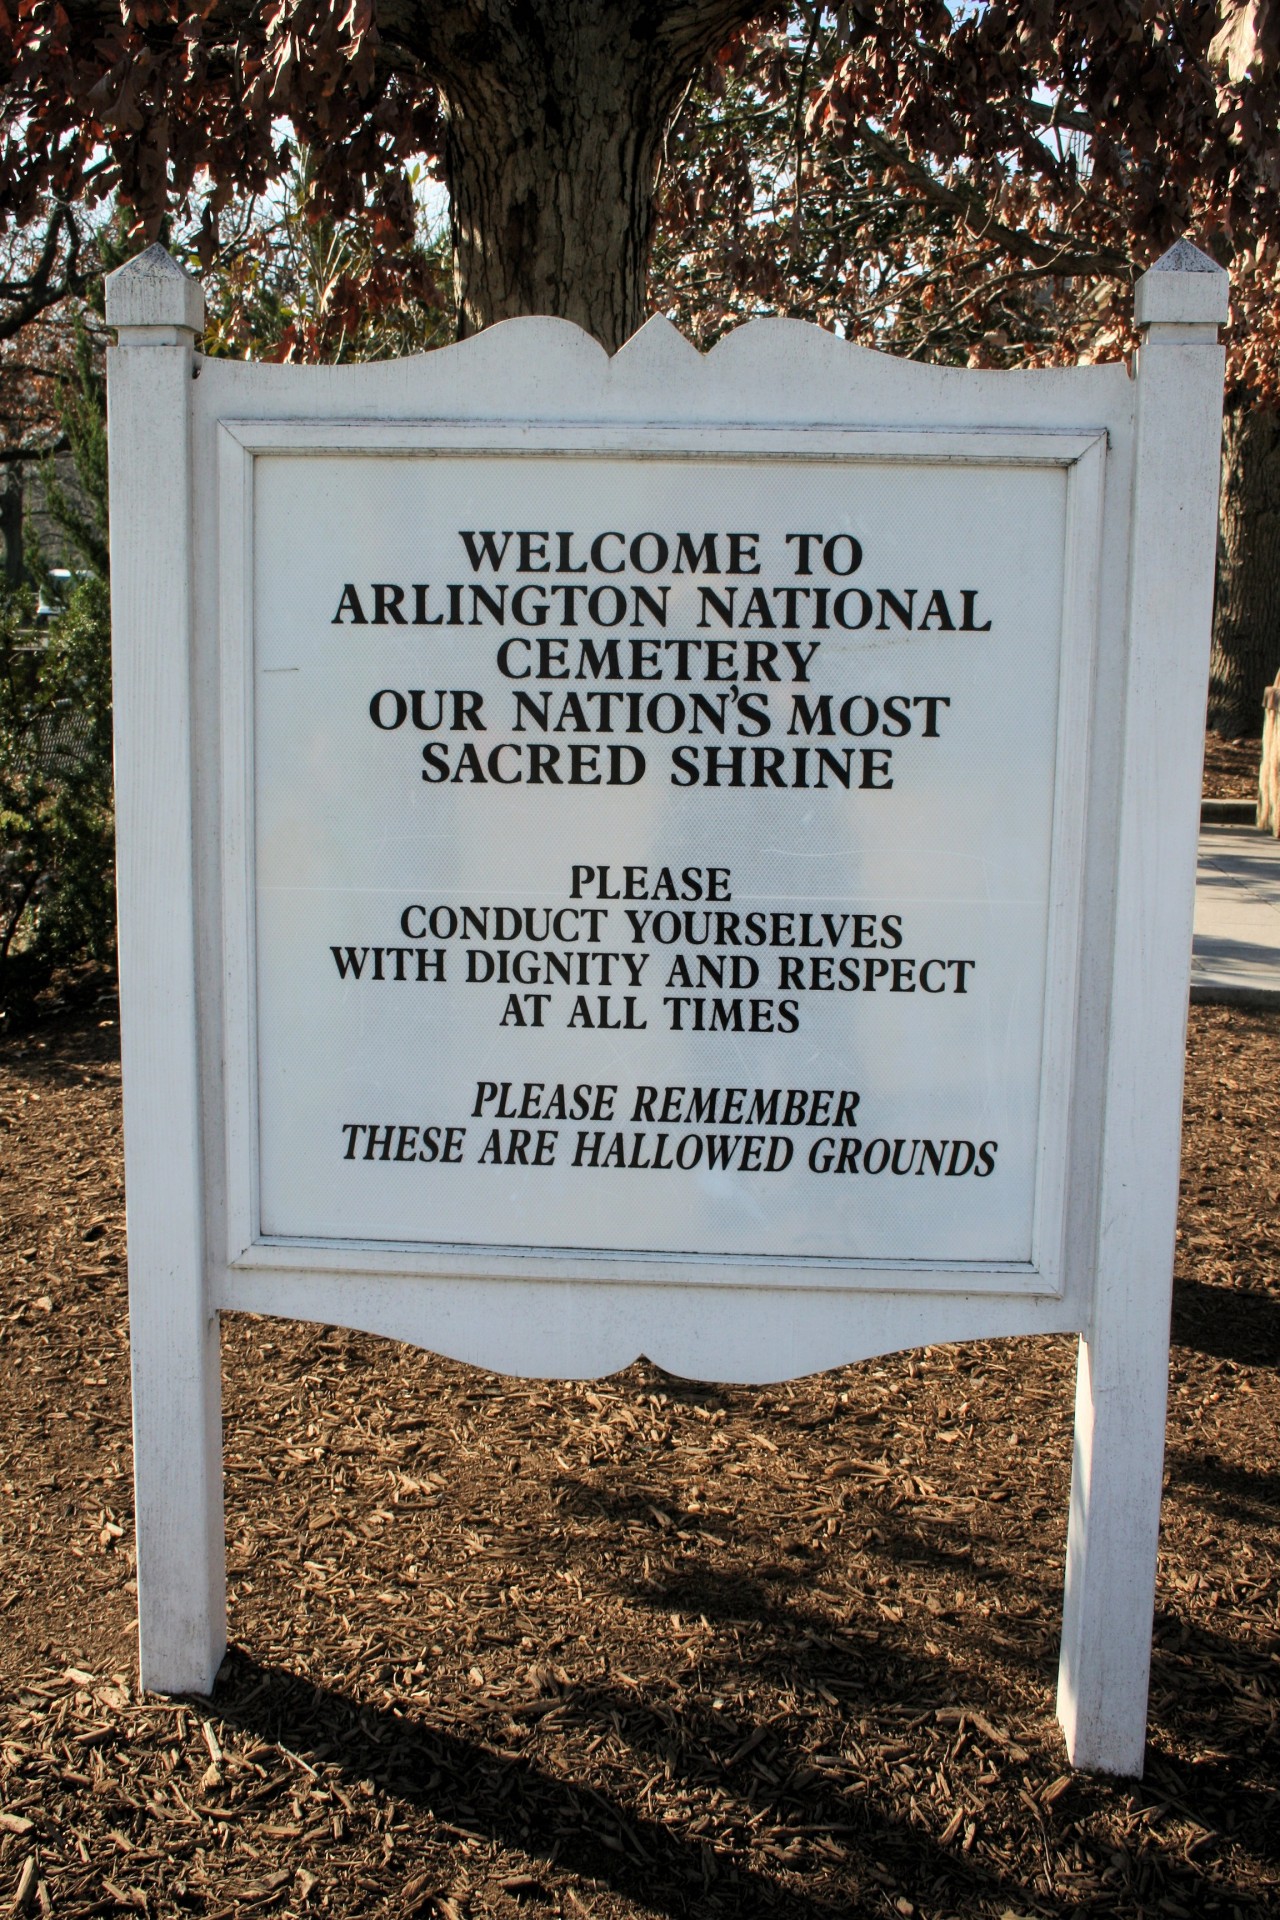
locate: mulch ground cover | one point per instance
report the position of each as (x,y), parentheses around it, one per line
(633,1646)
(1231,768)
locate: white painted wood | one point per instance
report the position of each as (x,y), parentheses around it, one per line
(152,293)
(1185,288)
(1137,559)
(549,375)
(1080,456)
(551,372)
(173,1325)
(555,1330)
(1122,1378)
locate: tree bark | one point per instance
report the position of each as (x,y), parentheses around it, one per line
(11,504)
(1246,619)
(555,112)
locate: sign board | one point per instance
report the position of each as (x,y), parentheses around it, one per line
(662,855)
(674,838)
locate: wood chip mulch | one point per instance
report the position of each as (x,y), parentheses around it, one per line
(635,1646)
(1231,768)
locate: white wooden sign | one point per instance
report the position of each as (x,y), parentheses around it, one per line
(669,854)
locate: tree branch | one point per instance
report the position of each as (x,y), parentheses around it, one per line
(39,291)
(1058,254)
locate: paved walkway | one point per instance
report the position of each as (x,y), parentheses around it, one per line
(1235,958)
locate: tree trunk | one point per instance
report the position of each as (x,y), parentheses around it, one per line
(1246,617)
(555,112)
(11,506)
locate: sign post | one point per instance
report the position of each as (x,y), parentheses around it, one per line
(173,1322)
(677,854)
(1123,1367)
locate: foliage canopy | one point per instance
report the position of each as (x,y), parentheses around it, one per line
(1056,140)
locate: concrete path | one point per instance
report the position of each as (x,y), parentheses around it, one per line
(1235,958)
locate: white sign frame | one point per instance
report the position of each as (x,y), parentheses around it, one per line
(1143,457)
(1081,456)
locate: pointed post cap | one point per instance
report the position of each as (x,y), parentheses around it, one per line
(1184,288)
(152,290)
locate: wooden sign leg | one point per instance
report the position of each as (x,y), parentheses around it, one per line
(1116,1473)
(1123,1369)
(158,311)
(177,1471)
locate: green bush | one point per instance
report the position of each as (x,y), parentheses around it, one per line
(57,865)
(57,845)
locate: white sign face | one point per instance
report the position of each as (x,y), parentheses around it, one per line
(654,853)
